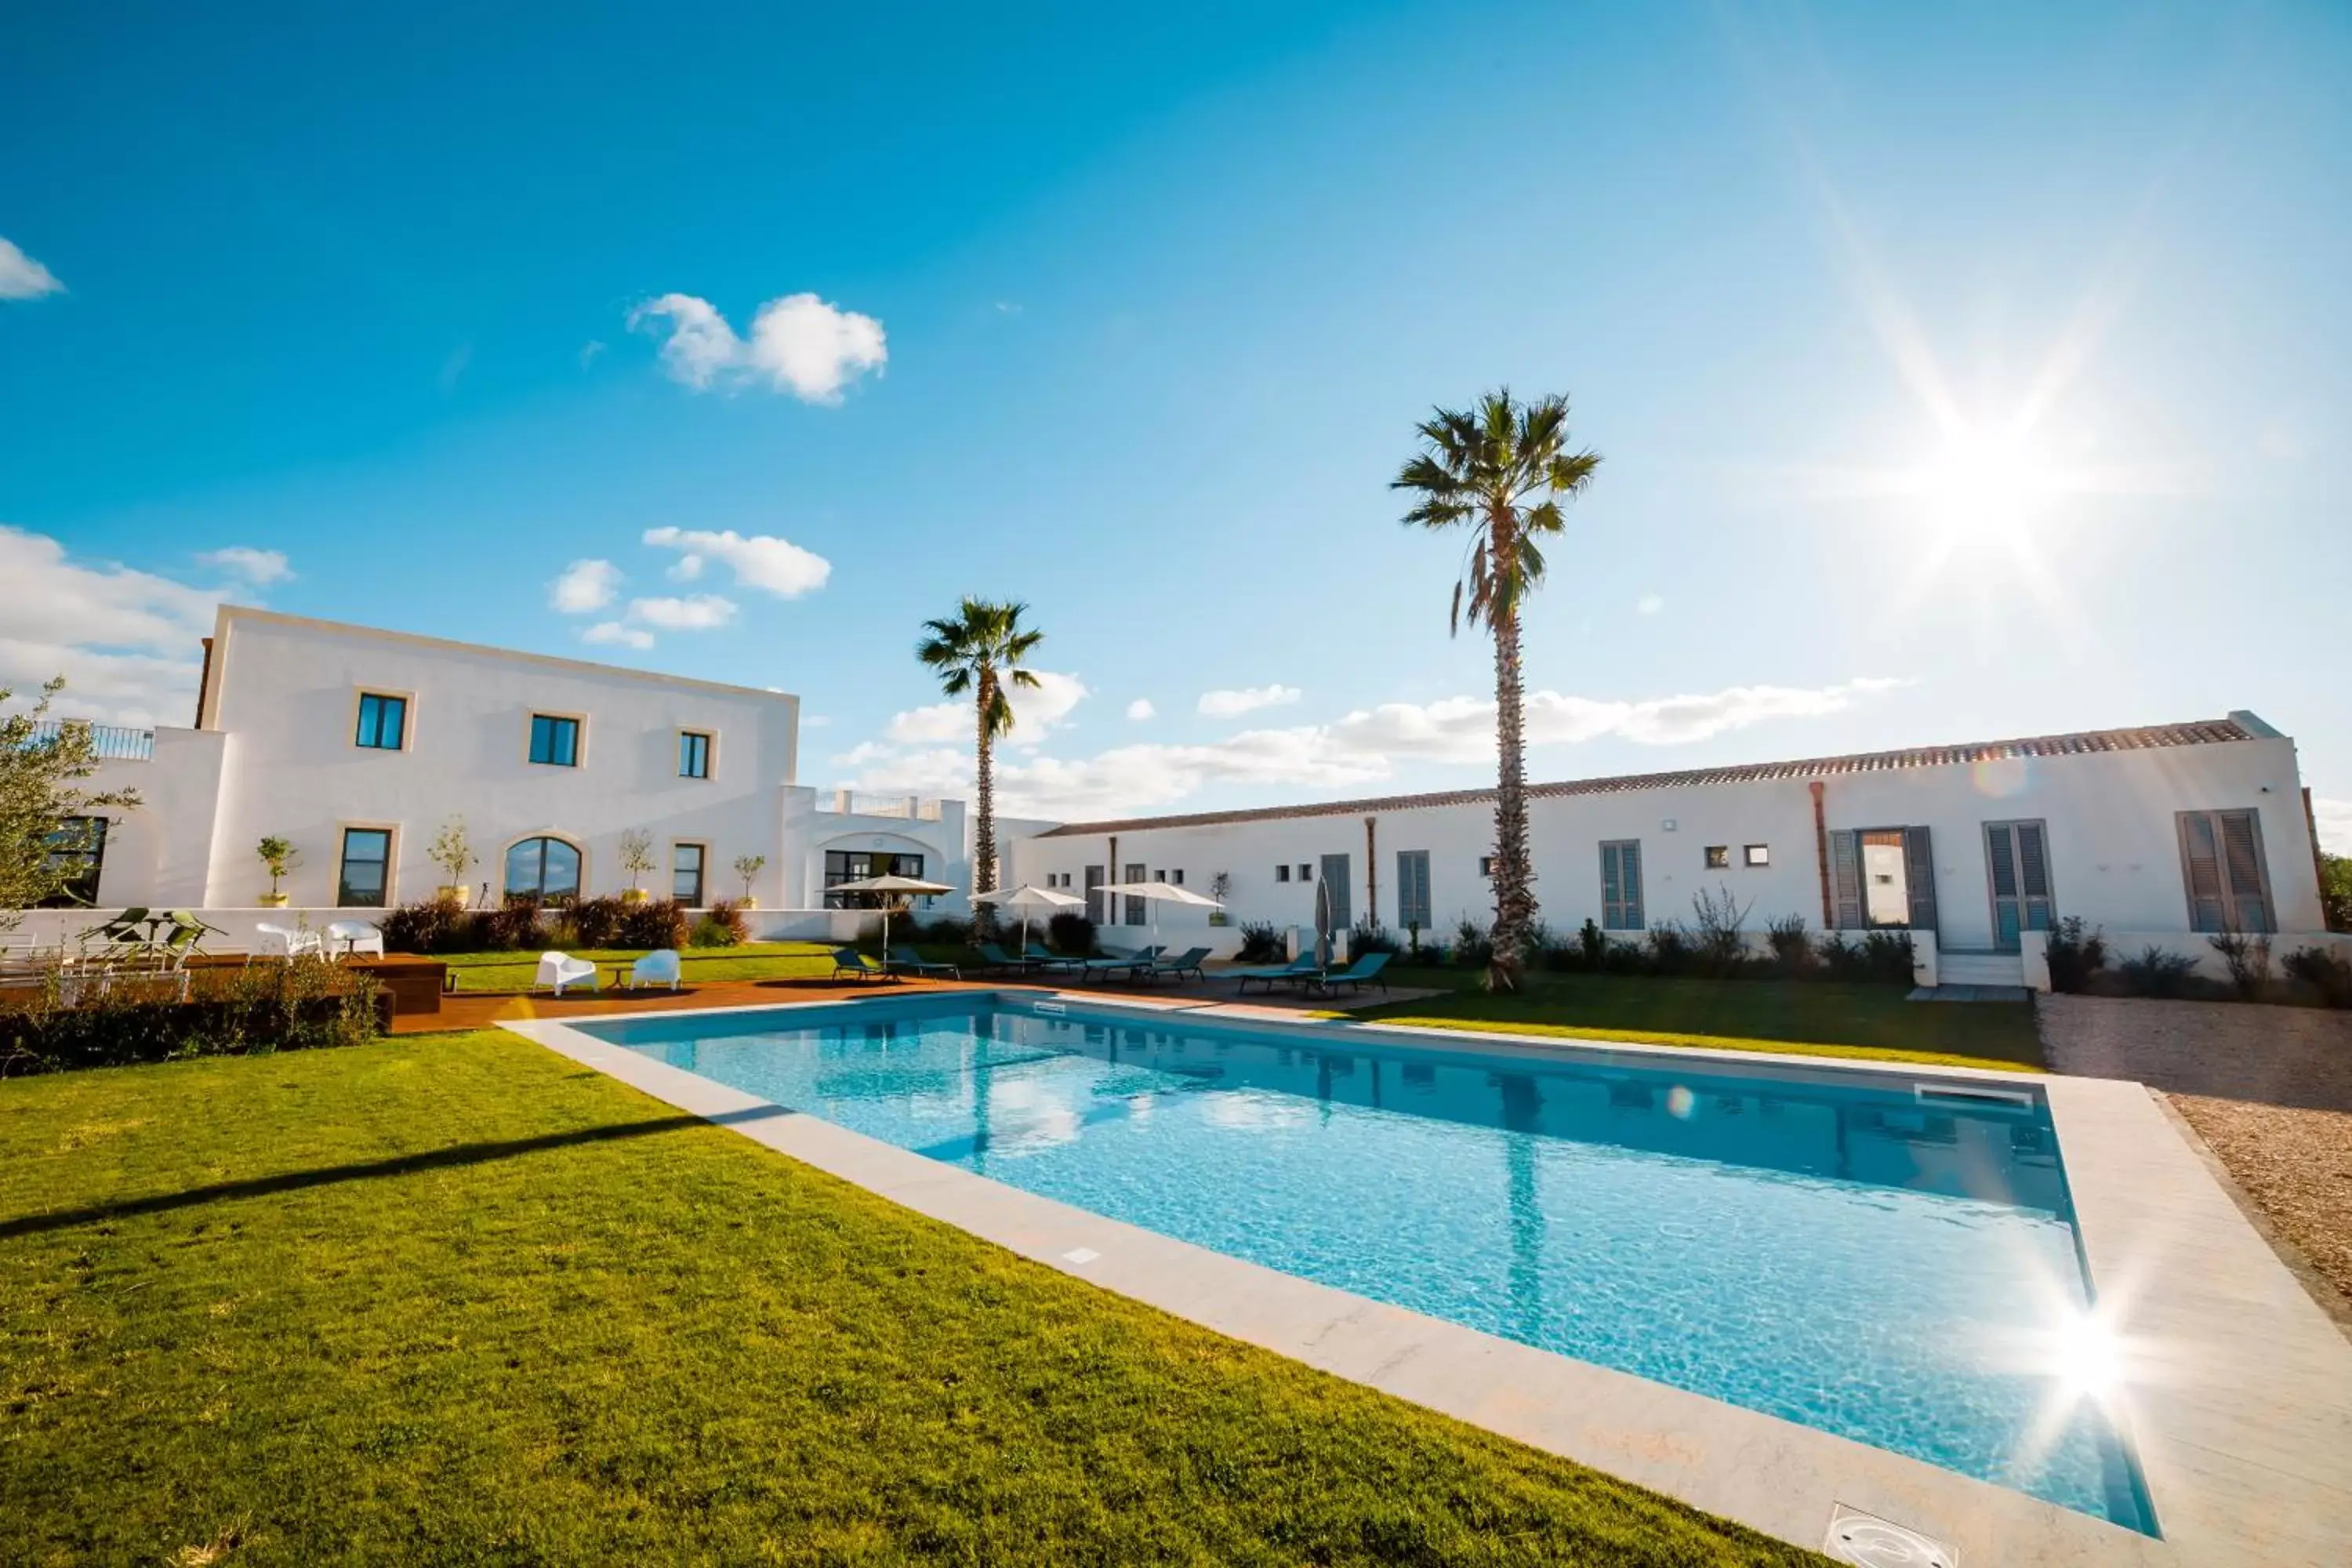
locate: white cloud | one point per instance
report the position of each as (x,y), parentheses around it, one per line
(259,567)
(22,278)
(1141,709)
(759,560)
(1356,750)
(2335,818)
(1649,603)
(1229,704)
(619,632)
(585,586)
(128,642)
(1037,713)
(697,613)
(686,569)
(588,351)
(799,343)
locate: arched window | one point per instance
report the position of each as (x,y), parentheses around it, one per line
(548,867)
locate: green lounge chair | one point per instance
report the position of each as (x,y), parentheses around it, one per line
(913,963)
(1143,958)
(850,961)
(1365,970)
(1184,964)
(1298,971)
(1000,962)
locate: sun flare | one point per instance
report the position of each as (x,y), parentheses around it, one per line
(1987,485)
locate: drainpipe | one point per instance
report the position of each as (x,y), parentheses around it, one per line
(1821,855)
(1111,874)
(1372,874)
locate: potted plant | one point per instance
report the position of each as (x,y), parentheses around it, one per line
(279,856)
(636,859)
(454,853)
(1221,888)
(748,866)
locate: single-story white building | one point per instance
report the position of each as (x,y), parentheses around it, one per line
(358,745)
(2153,834)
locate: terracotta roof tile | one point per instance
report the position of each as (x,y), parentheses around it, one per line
(2196,733)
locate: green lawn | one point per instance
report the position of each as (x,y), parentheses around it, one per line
(454,1301)
(1818,1017)
(751,961)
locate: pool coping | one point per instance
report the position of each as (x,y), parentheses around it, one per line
(2240,1416)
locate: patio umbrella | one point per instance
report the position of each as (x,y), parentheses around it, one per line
(1154,894)
(1323,917)
(892,884)
(1026,898)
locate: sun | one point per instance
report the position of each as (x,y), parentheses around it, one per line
(1987,486)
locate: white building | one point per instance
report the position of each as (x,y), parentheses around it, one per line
(2153,834)
(358,745)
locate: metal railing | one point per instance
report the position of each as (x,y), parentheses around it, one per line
(906,807)
(113,743)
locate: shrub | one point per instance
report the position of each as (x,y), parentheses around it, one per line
(1471,947)
(595,923)
(428,925)
(515,923)
(1263,942)
(657,922)
(2248,960)
(2157,973)
(945,932)
(1368,936)
(1886,955)
(1792,948)
(2074,954)
(1073,935)
(1670,948)
(1626,958)
(723,926)
(302,1006)
(2328,972)
(1720,920)
(2335,890)
(1594,944)
(1842,957)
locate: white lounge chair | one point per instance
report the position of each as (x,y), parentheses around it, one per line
(659,967)
(354,936)
(286,941)
(561,969)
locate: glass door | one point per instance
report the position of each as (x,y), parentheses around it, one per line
(2017,862)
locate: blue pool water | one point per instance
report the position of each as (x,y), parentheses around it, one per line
(1812,1244)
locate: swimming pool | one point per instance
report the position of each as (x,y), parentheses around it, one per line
(1885,1258)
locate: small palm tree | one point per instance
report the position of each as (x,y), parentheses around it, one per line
(980,651)
(1501,471)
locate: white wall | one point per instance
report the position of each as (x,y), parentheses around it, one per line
(2113,842)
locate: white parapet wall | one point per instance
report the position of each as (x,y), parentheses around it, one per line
(2195,946)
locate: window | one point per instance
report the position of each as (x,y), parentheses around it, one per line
(78,850)
(366,874)
(554,741)
(383,722)
(1176,878)
(1282,872)
(543,869)
(857,864)
(686,863)
(1093,894)
(1412,889)
(1621,885)
(2221,861)
(1718,856)
(1486,865)
(1756,854)
(1135,910)
(1305,872)
(693,754)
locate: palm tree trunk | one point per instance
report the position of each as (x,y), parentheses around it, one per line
(983,847)
(1515,899)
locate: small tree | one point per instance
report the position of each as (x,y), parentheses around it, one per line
(45,819)
(277,855)
(1221,888)
(453,852)
(748,866)
(637,855)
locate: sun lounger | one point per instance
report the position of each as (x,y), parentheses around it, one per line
(1002,962)
(850,961)
(1131,964)
(1365,970)
(1184,964)
(1298,972)
(913,963)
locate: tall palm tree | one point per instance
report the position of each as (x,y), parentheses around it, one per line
(980,651)
(1500,470)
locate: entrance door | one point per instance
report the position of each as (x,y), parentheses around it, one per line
(1884,877)
(2017,860)
(1335,877)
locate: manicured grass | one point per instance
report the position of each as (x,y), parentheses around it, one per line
(455,1300)
(751,961)
(1818,1017)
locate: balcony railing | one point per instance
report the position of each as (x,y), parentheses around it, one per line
(906,807)
(113,743)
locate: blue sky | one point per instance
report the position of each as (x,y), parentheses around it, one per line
(1958,371)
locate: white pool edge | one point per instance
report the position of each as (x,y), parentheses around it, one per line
(2244,1438)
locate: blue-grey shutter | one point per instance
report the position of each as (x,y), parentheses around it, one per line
(1919,875)
(1335,872)
(2200,856)
(1631,851)
(1846,872)
(1412,889)
(1612,894)
(2033,875)
(2242,858)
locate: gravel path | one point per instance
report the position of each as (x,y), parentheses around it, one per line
(2268,1088)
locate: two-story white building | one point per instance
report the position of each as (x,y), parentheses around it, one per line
(358,746)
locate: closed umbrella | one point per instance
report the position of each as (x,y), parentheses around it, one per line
(1323,916)
(910,886)
(1026,898)
(1154,894)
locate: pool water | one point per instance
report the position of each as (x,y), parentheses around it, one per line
(1822,1246)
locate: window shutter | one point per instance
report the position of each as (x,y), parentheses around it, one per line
(2201,865)
(2032,862)
(1845,869)
(2242,856)
(1919,874)
(2004,865)
(1631,854)
(1612,894)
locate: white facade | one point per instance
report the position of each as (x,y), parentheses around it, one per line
(2107,808)
(282,747)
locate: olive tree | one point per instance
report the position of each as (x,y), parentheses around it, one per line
(47,817)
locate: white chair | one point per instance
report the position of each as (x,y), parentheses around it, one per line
(561,969)
(354,936)
(286,941)
(659,967)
